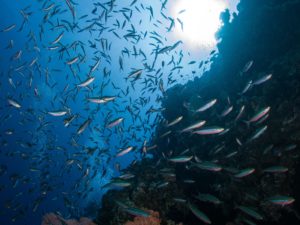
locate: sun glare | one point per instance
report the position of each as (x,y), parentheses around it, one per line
(197,21)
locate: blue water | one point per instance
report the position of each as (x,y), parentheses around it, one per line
(40,177)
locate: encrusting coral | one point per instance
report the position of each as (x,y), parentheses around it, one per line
(53,219)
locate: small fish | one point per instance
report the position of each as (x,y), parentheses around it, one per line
(238,141)
(251,212)
(71,7)
(194,126)
(207,105)
(135,74)
(83,126)
(115,122)
(163,184)
(199,214)
(262,79)
(258,133)
(86,82)
(13,103)
(244,172)
(247,87)
(72,61)
(117,183)
(124,151)
(242,109)
(95,66)
(49,7)
(180,200)
(180,159)
(208,198)
(226,111)
(165,134)
(9,28)
(58,113)
(231,154)
(136,212)
(177,120)
(68,121)
(247,66)
(260,114)
(210,166)
(209,130)
(276,169)
(281,200)
(126,176)
(57,39)
(101,100)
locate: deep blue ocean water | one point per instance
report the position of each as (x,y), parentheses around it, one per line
(46,53)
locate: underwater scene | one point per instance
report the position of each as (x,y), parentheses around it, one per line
(139,112)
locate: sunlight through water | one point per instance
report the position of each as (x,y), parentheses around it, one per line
(197,21)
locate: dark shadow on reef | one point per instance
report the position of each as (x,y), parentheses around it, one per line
(267,32)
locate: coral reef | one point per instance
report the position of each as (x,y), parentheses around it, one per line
(54,219)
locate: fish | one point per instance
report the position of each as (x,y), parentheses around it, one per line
(251,212)
(71,7)
(207,105)
(165,134)
(244,172)
(194,126)
(247,87)
(180,200)
(135,74)
(210,166)
(117,184)
(49,7)
(163,184)
(180,159)
(262,79)
(124,151)
(102,99)
(69,120)
(9,28)
(260,114)
(83,126)
(276,169)
(281,200)
(13,103)
(72,61)
(209,130)
(177,120)
(115,122)
(226,111)
(136,212)
(208,198)
(199,214)
(57,39)
(258,133)
(57,113)
(87,82)
(95,66)
(247,66)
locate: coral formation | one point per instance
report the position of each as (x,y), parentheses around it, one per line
(54,219)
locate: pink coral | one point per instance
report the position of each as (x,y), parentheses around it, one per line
(153,219)
(53,219)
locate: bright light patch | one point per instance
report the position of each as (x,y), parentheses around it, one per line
(197,21)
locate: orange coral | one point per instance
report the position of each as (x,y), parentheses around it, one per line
(153,219)
(53,219)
